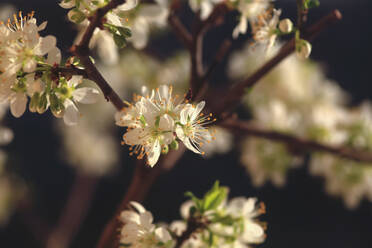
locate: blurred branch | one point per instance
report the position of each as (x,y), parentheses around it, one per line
(244,127)
(196,50)
(74,212)
(236,93)
(82,51)
(142,180)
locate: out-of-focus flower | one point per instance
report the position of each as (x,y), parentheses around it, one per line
(204,6)
(267,161)
(139,231)
(249,11)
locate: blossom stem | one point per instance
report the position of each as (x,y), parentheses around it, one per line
(82,51)
(301,144)
(236,93)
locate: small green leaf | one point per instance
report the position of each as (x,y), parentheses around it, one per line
(120,41)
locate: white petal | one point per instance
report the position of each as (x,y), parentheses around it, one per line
(86,95)
(134,136)
(71,116)
(67,5)
(129,216)
(205,9)
(74,81)
(45,45)
(18,104)
(30,65)
(146,219)
(166,123)
(54,56)
(137,206)
(185,209)
(189,146)
(198,109)
(128,5)
(162,234)
(154,153)
(42,26)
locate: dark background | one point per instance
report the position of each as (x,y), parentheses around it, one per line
(299,215)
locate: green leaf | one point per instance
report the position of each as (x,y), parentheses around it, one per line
(309,4)
(120,41)
(126,32)
(214,197)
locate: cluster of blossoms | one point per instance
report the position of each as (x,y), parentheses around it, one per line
(296,98)
(26,67)
(263,18)
(216,222)
(154,122)
(128,22)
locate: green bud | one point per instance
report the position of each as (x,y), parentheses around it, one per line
(56,106)
(174,145)
(165,149)
(43,104)
(34,102)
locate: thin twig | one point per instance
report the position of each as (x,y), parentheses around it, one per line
(196,52)
(236,93)
(82,51)
(244,127)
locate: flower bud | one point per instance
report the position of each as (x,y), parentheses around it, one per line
(34,102)
(56,106)
(303,49)
(286,26)
(165,149)
(43,104)
(174,145)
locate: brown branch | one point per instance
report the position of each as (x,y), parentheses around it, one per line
(247,128)
(74,211)
(180,30)
(193,225)
(141,183)
(220,54)
(196,50)
(82,51)
(237,91)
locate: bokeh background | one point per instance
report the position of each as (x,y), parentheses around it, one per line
(300,214)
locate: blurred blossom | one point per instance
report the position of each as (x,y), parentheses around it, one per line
(265,160)
(222,143)
(344,178)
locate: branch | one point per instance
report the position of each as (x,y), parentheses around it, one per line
(74,211)
(193,226)
(297,142)
(180,30)
(196,50)
(82,51)
(141,183)
(237,91)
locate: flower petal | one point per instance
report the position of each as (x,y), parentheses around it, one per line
(86,95)
(18,104)
(72,114)
(45,45)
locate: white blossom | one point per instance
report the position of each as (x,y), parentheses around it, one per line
(139,231)
(249,10)
(154,120)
